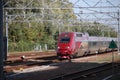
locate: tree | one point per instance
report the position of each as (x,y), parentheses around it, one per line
(41,21)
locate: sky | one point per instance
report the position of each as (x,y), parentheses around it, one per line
(109,15)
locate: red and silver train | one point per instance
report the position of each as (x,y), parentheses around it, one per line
(72,44)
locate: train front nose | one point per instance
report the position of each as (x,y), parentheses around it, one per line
(63,52)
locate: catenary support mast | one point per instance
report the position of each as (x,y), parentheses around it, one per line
(118,32)
(1,41)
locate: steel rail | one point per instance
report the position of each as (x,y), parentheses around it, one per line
(81,74)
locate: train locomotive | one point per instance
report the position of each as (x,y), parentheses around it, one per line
(72,44)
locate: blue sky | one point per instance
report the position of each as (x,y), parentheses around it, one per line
(108,18)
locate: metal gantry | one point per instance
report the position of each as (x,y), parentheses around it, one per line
(86,10)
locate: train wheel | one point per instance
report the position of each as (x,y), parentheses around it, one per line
(106,50)
(86,53)
(89,52)
(71,56)
(99,51)
(75,55)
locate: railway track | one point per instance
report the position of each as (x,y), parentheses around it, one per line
(29,55)
(19,64)
(49,60)
(31,61)
(80,75)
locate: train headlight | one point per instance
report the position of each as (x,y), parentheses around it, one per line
(68,47)
(58,47)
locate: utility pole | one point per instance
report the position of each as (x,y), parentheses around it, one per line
(6,38)
(1,41)
(118,35)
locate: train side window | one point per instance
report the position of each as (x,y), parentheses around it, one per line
(79,35)
(94,43)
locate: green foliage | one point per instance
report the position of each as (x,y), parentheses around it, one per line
(94,29)
(23,36)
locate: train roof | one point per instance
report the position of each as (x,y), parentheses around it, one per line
(86,37)
(93,38)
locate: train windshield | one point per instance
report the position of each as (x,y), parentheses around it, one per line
(64,40)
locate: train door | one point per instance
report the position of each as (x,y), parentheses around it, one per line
(84,48)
